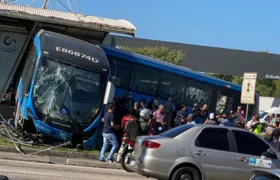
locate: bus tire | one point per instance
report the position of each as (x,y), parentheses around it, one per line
(123,160)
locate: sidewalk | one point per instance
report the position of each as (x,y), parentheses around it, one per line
(67,153)
(59,160)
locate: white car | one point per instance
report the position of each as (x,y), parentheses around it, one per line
(264,114)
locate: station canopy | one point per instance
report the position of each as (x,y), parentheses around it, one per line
(212,59)
(72,22)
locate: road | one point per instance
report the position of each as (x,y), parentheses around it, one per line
(18,170)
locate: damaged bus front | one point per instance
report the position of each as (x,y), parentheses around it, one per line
(63,89)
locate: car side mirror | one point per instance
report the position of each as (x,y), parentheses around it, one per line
(109,94)
(269,154)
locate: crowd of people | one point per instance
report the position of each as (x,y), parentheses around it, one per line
(269,126)
(125,117)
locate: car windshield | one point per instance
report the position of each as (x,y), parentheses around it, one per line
(66,92)
(263,114)
(172,133)
(265,177)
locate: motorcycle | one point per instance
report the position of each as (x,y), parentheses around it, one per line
(125,157)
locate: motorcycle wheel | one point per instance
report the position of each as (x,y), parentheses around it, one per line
(125,158)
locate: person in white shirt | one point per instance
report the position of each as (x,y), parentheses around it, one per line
(251,123)
(190,119)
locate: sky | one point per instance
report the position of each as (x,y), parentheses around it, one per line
(252,25)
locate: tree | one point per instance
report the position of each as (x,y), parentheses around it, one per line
(158,52)
(277,94)
(223,77)
(265,87)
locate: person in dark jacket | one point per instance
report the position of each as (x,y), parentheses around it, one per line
(180,114)
(139,127)
(201,115)
(128,100)
(168,109)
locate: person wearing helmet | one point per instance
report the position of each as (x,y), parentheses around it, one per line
(138,127)
(145,120)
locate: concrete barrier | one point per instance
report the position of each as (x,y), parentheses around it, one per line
(93,163)
(21,157)
(54,152)
(59,160)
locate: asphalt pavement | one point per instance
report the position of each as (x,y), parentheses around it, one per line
(20,170)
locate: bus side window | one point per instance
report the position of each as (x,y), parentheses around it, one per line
(144,79)
(224,102)
(120,71)
(171,85)
(28,70)
(197,92)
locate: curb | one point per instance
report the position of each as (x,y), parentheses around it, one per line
(70,154)
(20,157)
(50,159)
(92,163)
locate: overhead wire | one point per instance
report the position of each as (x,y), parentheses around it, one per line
(28,4)
(69,5)
(17,143)
(78,7)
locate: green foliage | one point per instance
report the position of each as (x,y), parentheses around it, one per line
(224,77)
(158,52)
(277,94)
(265,87)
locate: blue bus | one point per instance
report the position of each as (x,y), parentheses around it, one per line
(148,77)
(62,89)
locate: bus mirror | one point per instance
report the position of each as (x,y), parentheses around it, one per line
(109,94)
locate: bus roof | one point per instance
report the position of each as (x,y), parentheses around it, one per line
(72,50)
(159,64)
(67,18)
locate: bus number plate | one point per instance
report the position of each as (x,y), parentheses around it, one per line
(77,54)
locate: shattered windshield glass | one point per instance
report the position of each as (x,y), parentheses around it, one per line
(66,92)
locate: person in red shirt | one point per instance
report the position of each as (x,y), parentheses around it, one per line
(125,120)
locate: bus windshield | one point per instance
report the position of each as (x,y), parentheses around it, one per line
(66,93)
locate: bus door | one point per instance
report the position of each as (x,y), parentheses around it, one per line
(225,100)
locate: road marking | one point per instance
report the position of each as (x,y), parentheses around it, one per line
(26,172)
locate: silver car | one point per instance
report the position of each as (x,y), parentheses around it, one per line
(196,152)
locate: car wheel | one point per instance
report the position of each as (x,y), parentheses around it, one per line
(186,173)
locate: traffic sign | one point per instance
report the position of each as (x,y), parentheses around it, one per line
(248,88)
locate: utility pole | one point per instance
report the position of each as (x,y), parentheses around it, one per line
(45,4)
(6,1)
(66,4)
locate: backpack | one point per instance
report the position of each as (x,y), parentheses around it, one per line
(133,129)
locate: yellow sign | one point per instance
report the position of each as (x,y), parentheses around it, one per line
(248,88)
